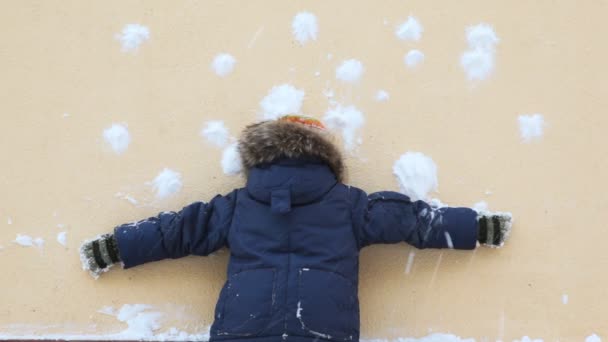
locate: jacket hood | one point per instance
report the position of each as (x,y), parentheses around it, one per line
(269,141)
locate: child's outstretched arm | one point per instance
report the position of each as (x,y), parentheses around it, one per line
(199,229)
(391,217)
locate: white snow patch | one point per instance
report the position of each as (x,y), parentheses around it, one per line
(304,27)
(39,242)
(413,58)
(216,133)
(481,206)
(62,238)
(24,240)
(436,203)
(410,30)
(416,174)
(132,36)
(347,120)
(564,299)
(478,62)
(382,95)
(281,100)
(117,137)
(436,337)
(410,262)
(223,64)
(593,338)
(168,182)
(231,160)
(350,71)
(107,310)
(531,127)
(528,339)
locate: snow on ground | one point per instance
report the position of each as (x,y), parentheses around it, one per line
(350,71)
(478,61)
(281,100)
(231,160)
(347,120)
(167,183)
(223,64)
(382,95)
(410,30)
(413,58)
(216,133)
(132,36)
(117,137)
(416,174)
(304,27)
(531,127)
(62,238)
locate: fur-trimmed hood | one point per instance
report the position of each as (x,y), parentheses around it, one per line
(268,141)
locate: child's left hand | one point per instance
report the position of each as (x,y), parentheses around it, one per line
(494,228)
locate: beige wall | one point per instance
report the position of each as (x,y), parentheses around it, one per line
(61,57)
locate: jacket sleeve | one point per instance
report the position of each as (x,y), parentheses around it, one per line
(199,229)
(390,217)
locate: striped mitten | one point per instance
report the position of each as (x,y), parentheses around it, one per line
(99,255)
(493,228)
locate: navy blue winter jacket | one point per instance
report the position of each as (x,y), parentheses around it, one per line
(294,234)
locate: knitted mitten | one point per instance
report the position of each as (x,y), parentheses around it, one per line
(99,255)
(493,228)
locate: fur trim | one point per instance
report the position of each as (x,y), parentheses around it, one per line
(267,141)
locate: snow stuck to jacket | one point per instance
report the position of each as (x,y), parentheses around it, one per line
(117,137)
(132,36)
(410,30)
(223,64)
(304,27)
(478,61)
(350,71)
(413,58)
(167,183)
(531,127)
(416,174)
(216,133)
(281,100)
(347,120)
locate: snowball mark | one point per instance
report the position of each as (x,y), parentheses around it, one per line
(281,100)
(478,62)
(304,27)
(223,64)
(531,127)
(231,160)
(167,183)
(347,120)
(413,58)
(382,96)
(410,30)
(132,36)
(593,338)
(216,133)
(117,137)
(62,238)
(416,175)
(350,71)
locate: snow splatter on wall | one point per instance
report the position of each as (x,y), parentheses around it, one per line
(350,71)
(410,30)
(382,95)
(593,338)
(531,127)
(216,133)
(281,100)
(117,137)
(528,339)
(62,238)
(223,64)
(304,27)
(231,160)
(132,36)
(28,241)
(413,58)
(347,120)
(416,174)
(167,183)
(479,61)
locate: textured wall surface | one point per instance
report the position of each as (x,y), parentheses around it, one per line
(62,57)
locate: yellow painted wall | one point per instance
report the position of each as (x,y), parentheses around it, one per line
(61,57)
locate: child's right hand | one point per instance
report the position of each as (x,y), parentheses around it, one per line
(99,255)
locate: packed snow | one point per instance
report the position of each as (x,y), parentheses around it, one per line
(413,58)
(382,95)
(231,160)
(347,120)
(593,338)
(167,183)
(132,36)
(481,206)
(304,27)
(478,61)
(281,100)
(350,71)
(531,127)
(416,174)
(62,238)
(223,64)
(117,137)
(216,133)
(28,241)
(436,337)
(410,30)
(528,339)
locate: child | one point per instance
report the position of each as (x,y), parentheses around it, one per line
(294,234)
